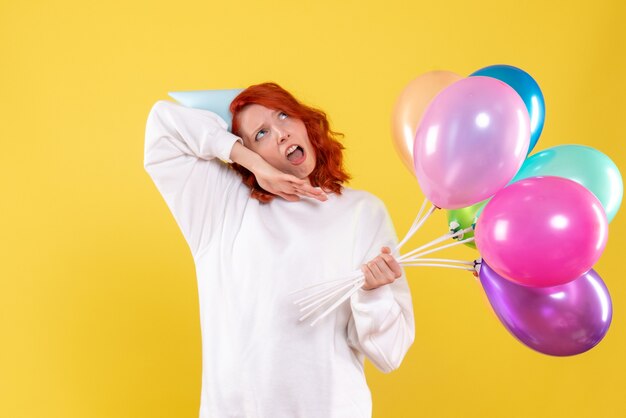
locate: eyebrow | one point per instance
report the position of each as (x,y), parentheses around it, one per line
(261,125)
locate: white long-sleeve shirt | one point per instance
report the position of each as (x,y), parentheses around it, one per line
(258,359)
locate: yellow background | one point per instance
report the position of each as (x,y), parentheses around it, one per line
(98,300)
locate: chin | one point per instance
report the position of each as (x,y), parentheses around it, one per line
(307,173)
(302,175)
(299,171)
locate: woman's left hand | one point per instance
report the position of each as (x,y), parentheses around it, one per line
(382,270)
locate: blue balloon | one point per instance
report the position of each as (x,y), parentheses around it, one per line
(216,101)
(582,164)
(529,91)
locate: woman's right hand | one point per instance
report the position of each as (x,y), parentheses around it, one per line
(285,185)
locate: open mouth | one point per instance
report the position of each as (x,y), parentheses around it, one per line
(295,154)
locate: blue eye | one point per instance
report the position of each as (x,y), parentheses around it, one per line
(260,134)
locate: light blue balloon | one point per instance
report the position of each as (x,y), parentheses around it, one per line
(585,165)
(216,101)
(529,91)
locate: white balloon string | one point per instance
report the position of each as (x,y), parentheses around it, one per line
(427,245)
(416,256)
(318,307)
(325,297)
(434,242)
(356,287)
(359,282)
(417,224)
(334,305)
(443,260)
(449,266)
(345,277)
(412,259)
(323,292)
(326,292)
(419,215)
(413,225)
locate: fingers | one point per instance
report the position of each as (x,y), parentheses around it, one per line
(312,192)
(303,187)
(289,197)
(393,265)
(285,187)
(382,270)
(374,277)
(370,281)
(295,180)
(291,184)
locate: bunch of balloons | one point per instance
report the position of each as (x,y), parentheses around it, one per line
(540,223)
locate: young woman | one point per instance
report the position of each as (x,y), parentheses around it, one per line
(271,218)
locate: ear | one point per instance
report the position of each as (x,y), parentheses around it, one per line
(216,101)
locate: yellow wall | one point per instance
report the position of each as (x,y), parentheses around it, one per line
(98,302)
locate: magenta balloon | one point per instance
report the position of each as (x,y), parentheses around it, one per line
(560,320)
(471,141)
(542,231)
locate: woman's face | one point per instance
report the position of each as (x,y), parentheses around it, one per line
(280,139)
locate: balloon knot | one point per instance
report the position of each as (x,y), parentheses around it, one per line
(455,227)
(477,264)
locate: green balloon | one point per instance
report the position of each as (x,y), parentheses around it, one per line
(584,165)
(465,217)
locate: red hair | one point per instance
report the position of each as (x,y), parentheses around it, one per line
(328,173)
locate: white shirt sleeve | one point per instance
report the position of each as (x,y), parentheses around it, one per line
(182,148)
(382,326)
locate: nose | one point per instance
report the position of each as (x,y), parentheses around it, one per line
(282,135)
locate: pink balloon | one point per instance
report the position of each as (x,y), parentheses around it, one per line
(542,231)
(472,140)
